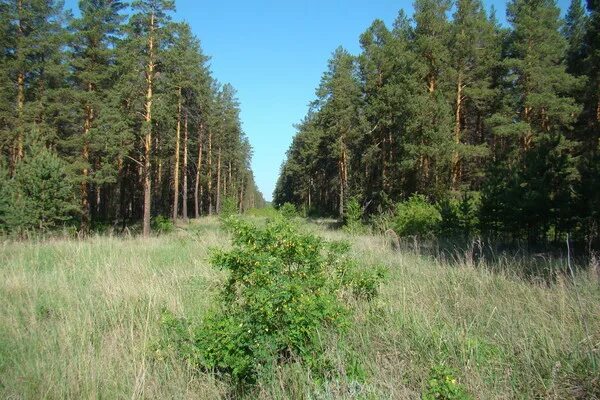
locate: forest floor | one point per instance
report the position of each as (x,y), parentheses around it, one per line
(80,317)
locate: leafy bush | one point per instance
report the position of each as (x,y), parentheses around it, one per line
(416,217)
(283,290)
(288,210)
(459,217)
(229,207)
(162,224)
(353,219)
(442,385)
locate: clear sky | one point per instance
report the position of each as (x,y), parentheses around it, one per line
(274,53)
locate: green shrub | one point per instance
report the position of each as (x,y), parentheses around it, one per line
(229,207)
(283,291)
(416,217)
(353,218)
(288,210)
(162,224)
(443,385)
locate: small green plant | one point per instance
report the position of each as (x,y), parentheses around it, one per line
(416,217)
(353,218)
(161,224)
(288,210)
(229,207)
(443,385)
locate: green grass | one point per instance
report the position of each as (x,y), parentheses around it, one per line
(80,319)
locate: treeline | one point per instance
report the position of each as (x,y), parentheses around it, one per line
(112,116)
(461,107)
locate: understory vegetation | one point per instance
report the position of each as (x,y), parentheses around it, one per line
(186,315)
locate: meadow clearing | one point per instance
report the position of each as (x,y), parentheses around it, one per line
(81,318)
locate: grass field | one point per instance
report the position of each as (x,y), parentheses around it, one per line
(80,317)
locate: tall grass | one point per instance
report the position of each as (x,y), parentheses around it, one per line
(80,319)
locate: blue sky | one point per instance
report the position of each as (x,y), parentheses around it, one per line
(274,53)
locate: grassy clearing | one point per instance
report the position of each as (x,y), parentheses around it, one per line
(80,319)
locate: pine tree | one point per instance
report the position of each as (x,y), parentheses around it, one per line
(339,110)
(184,62)
(430,126)
(148,32)
(592,66)
(475,53)
(93,60)
(43,192)
(574,30)
(34,64)
(589,126)
(387,83)
(538,113)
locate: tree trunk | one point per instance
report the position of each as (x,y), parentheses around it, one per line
(384,178)
(343,177)
(527,139)
(184,171)
(148,131)
(457,133)
(230,182)
(210,176)
(85,154)
(159,170)
(198,173)
(241,199)
(598,106)
(18,151)
(310,181)
(218,200)
(224,185)
(431,83)
(20,122)
(176,167)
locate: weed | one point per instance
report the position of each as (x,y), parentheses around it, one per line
(443,385)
